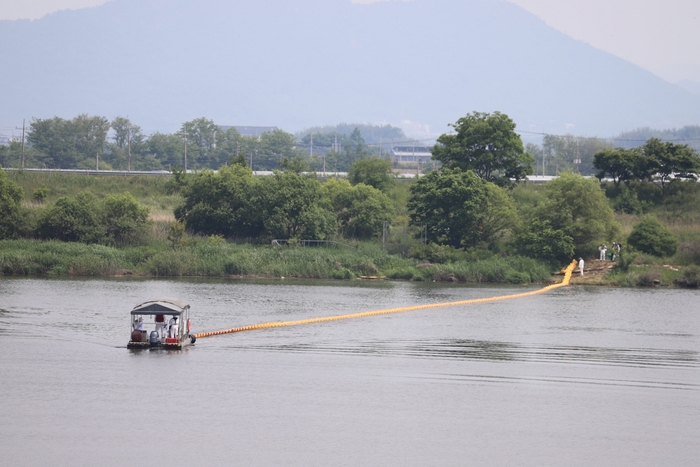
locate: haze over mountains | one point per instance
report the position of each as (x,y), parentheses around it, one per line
(294,64)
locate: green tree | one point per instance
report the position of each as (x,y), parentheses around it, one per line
(651,237)
(271,148)
(201,141)
(125,220)
(486,144)
(127,150)
(499,215)
(167,149)
(296,165)
(12,215)
(69,144)
(293,207)
(539,240)
(72,220)
(457,208)
(622,165)
(355,148)
(222,203)
(229,147)
(360,210)
(669,163)
(578,207)
(571,153)
(372,171)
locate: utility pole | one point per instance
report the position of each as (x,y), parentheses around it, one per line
(185,148)
(23,143)
(128,145)
(311,148)
(17,128)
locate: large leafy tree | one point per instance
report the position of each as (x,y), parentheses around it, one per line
(578,207)
(201,142)
(293,207)
(69,144)
(355,148)
(457,208)
(167,149)
(221,203)
(486,144)
(538,239)
(667,163)
(127,150)
(622,165)
(372,171)
(271,148)
(360,210)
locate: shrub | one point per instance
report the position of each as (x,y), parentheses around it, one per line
(125,219)
(689,253)
(651,237)
(11,212)
(72,220)
(648,279)
(690,278)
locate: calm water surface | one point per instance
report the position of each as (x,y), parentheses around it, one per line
(577,376)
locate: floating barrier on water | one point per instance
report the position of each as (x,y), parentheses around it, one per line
(278,324)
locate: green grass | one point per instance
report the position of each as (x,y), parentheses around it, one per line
(214,257)
(150,191)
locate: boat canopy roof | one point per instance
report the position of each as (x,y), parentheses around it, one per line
(166,306)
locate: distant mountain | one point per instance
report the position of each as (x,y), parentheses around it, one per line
(690,86)
(295,64)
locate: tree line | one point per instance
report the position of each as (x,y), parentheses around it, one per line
(94,142)
(473,202)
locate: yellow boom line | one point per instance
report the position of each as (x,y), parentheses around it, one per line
(278,324)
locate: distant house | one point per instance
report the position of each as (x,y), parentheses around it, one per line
(250,130)
(411,154)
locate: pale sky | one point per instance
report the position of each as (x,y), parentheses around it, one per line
(661,36)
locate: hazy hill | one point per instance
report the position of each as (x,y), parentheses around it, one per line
(689,135)
(295,64)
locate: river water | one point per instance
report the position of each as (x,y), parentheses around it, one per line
(577,376)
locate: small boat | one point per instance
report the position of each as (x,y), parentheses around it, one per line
(161,323)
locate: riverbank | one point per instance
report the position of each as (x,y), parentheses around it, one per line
(641,271)
(214,257)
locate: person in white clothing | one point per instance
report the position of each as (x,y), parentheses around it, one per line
(138,325)
(173,326)
(160,326)
(580,266)
(603,249)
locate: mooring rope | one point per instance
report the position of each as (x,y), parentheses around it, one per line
(278,324)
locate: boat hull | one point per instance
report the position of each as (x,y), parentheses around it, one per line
(185,342)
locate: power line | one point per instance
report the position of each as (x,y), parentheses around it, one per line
(613,139)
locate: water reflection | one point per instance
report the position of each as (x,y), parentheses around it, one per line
(502,351)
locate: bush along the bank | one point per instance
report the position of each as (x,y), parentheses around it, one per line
(651,237)
(117,220)
(214,257)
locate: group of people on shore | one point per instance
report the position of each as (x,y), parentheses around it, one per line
(603,249)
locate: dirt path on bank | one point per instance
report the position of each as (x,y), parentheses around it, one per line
(594,272)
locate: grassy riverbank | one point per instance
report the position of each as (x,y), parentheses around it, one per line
(213,257)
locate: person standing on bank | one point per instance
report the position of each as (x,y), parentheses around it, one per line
(603,249)
(173,326)
(580,266)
